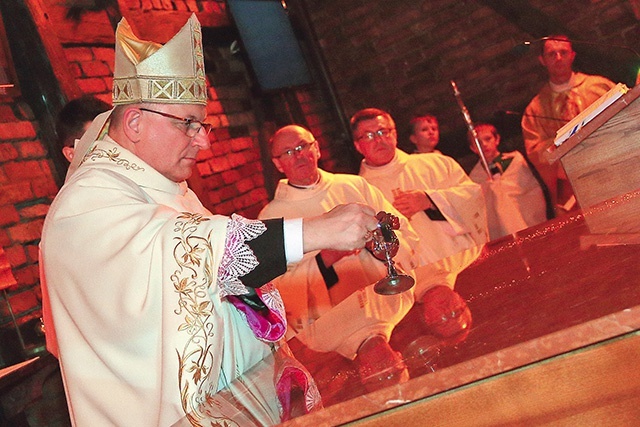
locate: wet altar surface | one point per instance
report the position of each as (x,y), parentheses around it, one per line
(540,293)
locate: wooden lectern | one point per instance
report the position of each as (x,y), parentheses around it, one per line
(602,162)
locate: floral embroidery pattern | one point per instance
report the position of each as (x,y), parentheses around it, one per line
(192,280)
(194,255)
(112,155)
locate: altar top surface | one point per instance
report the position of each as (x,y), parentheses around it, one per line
(534,295)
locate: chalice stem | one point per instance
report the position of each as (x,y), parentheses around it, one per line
(391,269)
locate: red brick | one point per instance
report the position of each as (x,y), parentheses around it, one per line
(27,275)
(17,130)
(213,182)
(32,251)
(23,171)
(203,168)
(227,192)
(31,149)
(237,159)
(180,6)
(157,4)
(220,148)
(214,107)
(78,54)
(45,187)
(4,238)
(251,155)
(16,255)
(23,301)
(231,176)
(245,185)
(106,97)
(37,290)
(7,114)
(238,144)
(215,121)
(213,95)
(108,81)
(15,193)
(204,155)
(8,215)
(192,5)
(95,69)
(104,54)
(92,85)
(76,70)
(7,152)
(26,231)
(132,4)
(214,197)
(225,208)
(259,194)
(36,211)
(219,164)
(258,179)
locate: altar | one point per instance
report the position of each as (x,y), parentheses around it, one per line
(553,337)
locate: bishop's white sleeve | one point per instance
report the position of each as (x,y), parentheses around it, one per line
(293,240)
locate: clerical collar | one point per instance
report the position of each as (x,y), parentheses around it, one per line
(305,187)
(564,86)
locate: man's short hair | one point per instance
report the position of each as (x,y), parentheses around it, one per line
(554,37)
(368,114)
(74,115)
(482,126)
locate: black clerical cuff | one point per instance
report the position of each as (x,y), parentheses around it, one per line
(329,274)
(434,213)
(268,248)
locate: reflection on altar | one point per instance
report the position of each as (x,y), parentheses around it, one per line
(540,303)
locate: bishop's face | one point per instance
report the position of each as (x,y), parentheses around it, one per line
(376,140)
(163,142)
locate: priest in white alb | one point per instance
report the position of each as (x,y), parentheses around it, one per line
(325,279)
(443,205)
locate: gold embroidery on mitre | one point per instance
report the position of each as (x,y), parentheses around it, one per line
(148,72)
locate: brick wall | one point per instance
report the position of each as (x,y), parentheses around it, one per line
(230,177)
(27,190)
(398,55)
(92,68)
(231,172)
(401,55)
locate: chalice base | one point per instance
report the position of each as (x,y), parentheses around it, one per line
(392,285)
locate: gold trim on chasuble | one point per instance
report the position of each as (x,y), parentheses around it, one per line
(113,155)
(192,279)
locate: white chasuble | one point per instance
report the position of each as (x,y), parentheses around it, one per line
(137,294)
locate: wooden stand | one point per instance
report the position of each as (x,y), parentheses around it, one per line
(602,161)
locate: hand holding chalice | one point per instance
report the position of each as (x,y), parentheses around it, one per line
(384,246)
